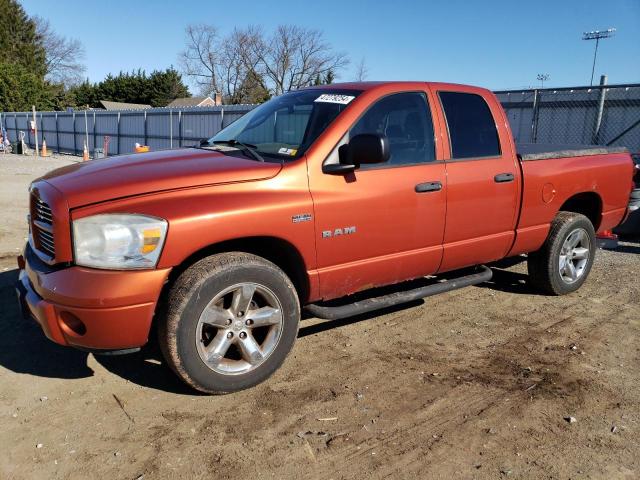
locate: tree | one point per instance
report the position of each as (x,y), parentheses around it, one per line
(200,58)
(293,57)
(63,56)
(157,89)
(247,64)
(20,88)
(84,95)
(220,65)
(329,77)
(361,71)
(165,86)
(22,62)
(253,89)
(19,42)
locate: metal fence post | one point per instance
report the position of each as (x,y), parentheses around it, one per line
(170,128)
(26,116)
(534,116)
(94,134)
(73,119)
(57,134)
(601,98)
(145,127)
(41,128)
(180,128)
(118,135)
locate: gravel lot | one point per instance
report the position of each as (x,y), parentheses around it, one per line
(475,383)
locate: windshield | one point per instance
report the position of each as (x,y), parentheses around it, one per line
(286,126)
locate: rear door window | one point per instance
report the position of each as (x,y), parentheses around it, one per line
(472,129)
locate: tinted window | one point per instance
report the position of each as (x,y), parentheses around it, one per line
(406,121)
(472,130)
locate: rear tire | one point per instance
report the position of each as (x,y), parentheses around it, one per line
(563,263)
(231,320)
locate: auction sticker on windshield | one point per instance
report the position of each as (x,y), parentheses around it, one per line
(288,151)
(333,98)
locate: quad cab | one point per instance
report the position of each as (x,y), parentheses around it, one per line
(316,195)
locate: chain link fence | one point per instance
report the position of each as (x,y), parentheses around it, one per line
(602,115)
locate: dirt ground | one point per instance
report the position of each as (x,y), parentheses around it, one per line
(475,383)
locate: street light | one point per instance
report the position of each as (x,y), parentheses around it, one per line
(543,77)
(597,35)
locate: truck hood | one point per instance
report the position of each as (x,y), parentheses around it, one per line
(127,175)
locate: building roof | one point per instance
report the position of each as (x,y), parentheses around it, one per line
(123,106)
(191,102)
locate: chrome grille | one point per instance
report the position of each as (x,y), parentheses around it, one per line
(42,211)
(46,243)
(42,227)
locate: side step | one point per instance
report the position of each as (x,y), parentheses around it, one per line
(376,303)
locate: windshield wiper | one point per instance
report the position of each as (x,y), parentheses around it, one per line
(248,147)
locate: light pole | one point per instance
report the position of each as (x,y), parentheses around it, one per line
(597,35)
(543,77)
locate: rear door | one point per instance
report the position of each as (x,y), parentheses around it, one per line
(382,223)
(483,180)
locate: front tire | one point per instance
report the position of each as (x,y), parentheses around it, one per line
(231,320)
(563,263)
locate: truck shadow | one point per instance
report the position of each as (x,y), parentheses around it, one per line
(629,244)
(25,350)
(23,347)
(509,282)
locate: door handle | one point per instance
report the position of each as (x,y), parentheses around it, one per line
(428,187)
(504,177)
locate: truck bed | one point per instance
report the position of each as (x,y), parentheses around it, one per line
(541,151)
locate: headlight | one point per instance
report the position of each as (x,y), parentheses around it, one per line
(118,241)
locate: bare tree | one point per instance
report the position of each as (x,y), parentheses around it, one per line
(362,72)
(217,64)
(294,57)
(247,65)
(201,57)
(64,56)
(238,67)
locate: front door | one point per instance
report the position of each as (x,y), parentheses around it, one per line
(384,223)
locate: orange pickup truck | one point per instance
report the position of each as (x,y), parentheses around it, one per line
(308,199)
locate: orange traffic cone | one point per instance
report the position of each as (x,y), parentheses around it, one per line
(43,152)
(85,153)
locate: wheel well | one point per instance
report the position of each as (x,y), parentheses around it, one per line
(276,250)
(588,204)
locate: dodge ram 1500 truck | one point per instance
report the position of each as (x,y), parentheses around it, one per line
(314,196)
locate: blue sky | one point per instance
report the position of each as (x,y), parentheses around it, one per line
(495,44)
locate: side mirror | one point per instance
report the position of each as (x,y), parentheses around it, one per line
(366,148)
(204,142)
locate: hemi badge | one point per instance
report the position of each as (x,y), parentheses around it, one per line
(302,217)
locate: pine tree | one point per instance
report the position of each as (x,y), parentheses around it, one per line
(20,88)
(157,89)
(19,43)
(329,77)
(22,62)
(165,86)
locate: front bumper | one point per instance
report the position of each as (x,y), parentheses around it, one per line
(89,308)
